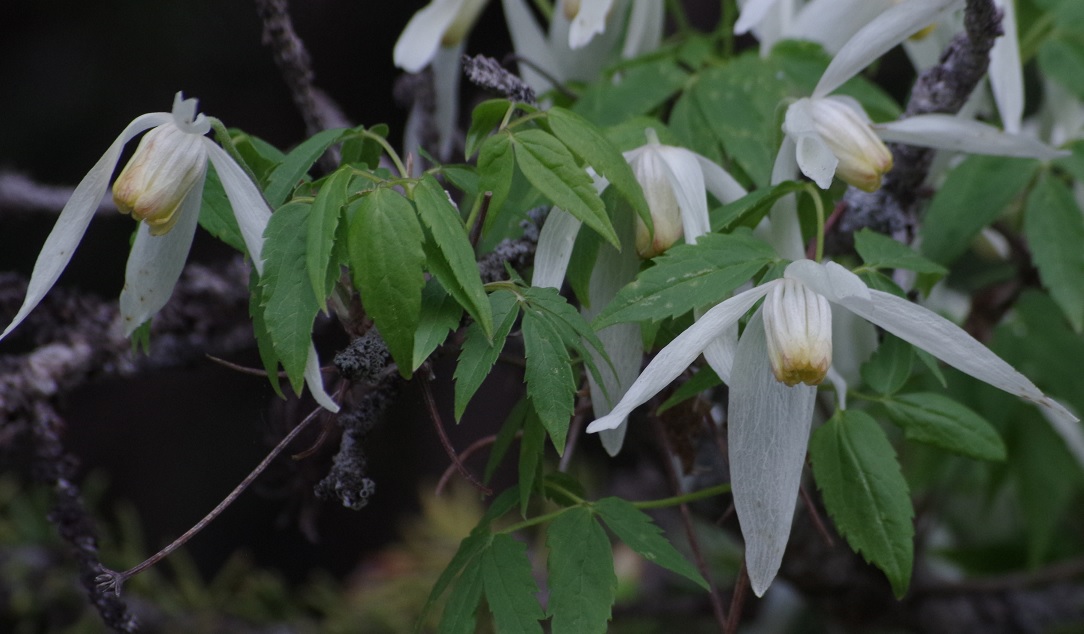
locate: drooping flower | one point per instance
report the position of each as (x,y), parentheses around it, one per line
(162,186)
(769,420)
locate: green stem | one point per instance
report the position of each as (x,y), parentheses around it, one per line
(818,204)
(392,154)
(226,141)
(728,17)
(545,7)
(718,489)
(534,521)
(677,12)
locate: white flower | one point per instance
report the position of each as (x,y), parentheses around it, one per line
(675,183)
(162,185)
(769,420)
(834,137)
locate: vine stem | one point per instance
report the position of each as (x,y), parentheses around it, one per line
(111,580)
(438,423)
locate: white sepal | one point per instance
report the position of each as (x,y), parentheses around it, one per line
(590,20)
(315,380)
(948,132)
(249,206)
(421,38)
(1006,74)
(554,249)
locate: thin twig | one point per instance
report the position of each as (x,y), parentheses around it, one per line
(737,600)
(112,580)
(574,429)
(243,369)
(816,517)
(483,211)
(466,454)
(438,423)
(686,519)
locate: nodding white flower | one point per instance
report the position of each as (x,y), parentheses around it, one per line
(162,186)
(798,330)
(769,419)
(839,125)
(587,18)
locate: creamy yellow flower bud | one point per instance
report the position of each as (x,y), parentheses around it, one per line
(168,163)
(863,157)
(650,171)
(463,22)
(798,327)
(572,8)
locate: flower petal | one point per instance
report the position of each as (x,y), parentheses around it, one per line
(420,39)
(446,88)
(74,218)
(814,157)
(768,433)
(554,249)
(719,182)
(249,206)
(831,280)
(155,263)
(948,132)
(315,381)
(875,39)
(949,343)
(833,22)
(752,13)
(531,43)
(590,20)
(644,32)
(1006,74)
(679,353)
(687,180)
(719,353)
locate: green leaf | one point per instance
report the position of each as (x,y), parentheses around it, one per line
(496,167)
(440,315)
(553,171)
(322,225)
(459,612)
(551,385)
(570,325)
(387,260)
(890,366)
(640,533)
(643,88)
(692,128)
(582,582)
(289,304)
(882,252)
(485,116)
(689,276)
(478,354)
(594,149)
(940,421)
(974,195)
(1062,57)
(741,101)
(1055,229)
(865,493)
(1039,464)
(216,213)
(362,149)
(748,210)
(505,436)
(260,156)
(704,379)
(510,588)
(296,165)
(467,553)
(531,448)
(268,358)
(458,269)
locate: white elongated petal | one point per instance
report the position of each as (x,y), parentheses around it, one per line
(878,36)
(590,20)
(833,22)
(622,342)
(839,384)
(687,180)
(446,88)
(814,157)
(719,182)
(949,343)
(531,43)
(752,13)
(948,132)
(315,381)
(155,263)
(554,249)
(1006,75)
(74,218)
(679,353)
(249,206)
(420,39)
(720,351)
(831,280)
(853,341)
(645,29)
(768,434)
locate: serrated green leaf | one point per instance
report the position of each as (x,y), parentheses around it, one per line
(553,171)
(289,304)
(1055,229)
(643,88)
(440,315)
(531,448)
(485,116)
(890,366)
(563,489)
(260,156)
(268,358)
(505,436)
(594,149)
(640,533)
(459,611)
(387,259)
(748,210)
(468,552)
(882,252)
(363,149)
(973,195)
(296,165)
(216,214)
(551,385)
(510,588)
(931,363)
(458,269)
(496,167)
(323,223)
(704,379)
(865,493)
(688,276)
(570,325)
(940,421)
(692,129)
(478,354)
(582,582)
